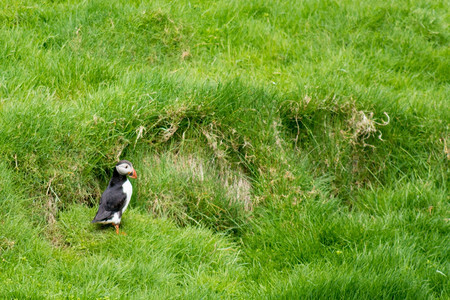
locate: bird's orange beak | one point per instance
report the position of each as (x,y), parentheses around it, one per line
(133,174)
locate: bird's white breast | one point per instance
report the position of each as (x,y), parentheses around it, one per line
(127,188)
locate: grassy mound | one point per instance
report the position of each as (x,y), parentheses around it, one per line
(294,149)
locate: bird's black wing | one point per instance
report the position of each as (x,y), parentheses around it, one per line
(112,201)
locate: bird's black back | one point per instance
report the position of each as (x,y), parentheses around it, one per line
(113,198)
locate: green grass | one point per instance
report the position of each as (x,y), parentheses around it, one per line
(284,149)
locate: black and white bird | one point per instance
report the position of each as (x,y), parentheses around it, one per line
(117,195)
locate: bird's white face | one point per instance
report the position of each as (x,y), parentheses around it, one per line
(124,169)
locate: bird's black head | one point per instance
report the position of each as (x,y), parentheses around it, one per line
(124,167)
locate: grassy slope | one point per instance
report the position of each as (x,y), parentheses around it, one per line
(259,174)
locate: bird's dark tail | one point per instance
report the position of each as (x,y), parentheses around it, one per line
(102,216)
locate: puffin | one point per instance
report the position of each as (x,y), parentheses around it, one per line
(116,197)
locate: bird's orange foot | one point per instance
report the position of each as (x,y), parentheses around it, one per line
(117,230)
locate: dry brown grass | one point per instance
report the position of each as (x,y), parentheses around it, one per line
(364,126)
